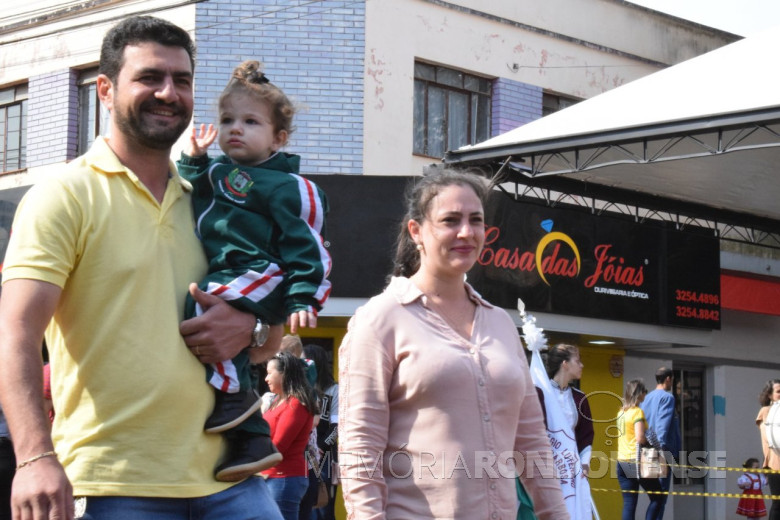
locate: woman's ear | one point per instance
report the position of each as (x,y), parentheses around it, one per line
(414,230)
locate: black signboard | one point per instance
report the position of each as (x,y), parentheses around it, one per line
(567,261)
(693,279)
(361,229)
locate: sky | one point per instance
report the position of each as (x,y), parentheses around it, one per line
(742,17)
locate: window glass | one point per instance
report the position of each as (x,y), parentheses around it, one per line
(424,71)
(419,115)
(450,77)
(553,103)
(436,129)
(480,119)
(87,117)
(93,116)
(458,127)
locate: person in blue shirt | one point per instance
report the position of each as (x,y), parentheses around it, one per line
(663,423)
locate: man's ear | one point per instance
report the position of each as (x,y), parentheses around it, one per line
(105,91)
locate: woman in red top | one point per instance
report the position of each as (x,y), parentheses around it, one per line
(290,416)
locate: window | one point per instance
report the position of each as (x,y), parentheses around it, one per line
(451,109)
(553,103)
(93,116)
(13,128)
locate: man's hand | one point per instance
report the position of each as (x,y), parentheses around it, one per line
(220,333)
(301,319)
(201,140)
(42,490)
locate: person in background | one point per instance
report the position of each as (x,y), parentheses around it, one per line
(292,343)
(632,427)
(327,429)
(663,425)
(107,246)
(751,484)
(769,395)
(291,416)
(260,225)
(7,468)
(430,366)
(563,366)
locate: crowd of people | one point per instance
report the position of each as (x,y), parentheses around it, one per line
(435,396)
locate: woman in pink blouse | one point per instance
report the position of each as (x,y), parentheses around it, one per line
(437,409)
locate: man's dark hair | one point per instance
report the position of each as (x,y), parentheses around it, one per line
(662,373)
(140,29)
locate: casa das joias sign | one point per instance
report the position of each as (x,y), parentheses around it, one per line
(568,261)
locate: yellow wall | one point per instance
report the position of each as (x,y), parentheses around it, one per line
(337,333)
(604,391)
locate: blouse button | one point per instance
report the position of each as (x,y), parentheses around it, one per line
(486,417)
(494,515)
(481,382)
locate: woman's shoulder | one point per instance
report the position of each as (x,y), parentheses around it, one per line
(634,412)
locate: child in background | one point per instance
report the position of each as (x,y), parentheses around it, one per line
(751,484)
(260,225)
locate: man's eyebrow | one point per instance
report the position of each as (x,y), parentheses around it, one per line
(154,70)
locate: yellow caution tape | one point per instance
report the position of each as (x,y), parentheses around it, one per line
(687,493)
(700,468)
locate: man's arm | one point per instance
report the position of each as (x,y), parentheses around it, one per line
(26,307)
(663,419)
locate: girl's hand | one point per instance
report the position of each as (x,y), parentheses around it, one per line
(301,319)
(201,140)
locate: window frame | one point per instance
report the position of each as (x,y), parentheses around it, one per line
(446,81)
(13,96)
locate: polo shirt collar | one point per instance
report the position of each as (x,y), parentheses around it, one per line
(102,159)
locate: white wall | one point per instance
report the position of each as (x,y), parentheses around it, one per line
(545,42)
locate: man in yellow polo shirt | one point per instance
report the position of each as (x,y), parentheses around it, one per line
(100,258)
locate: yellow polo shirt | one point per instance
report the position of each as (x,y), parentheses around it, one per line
(130,399)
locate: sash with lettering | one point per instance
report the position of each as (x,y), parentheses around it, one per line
(575,487)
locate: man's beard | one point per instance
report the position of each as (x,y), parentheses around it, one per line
(151,136)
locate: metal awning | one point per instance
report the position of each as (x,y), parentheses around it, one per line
(698,141)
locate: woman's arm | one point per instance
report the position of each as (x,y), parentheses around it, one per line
(366,369)
(639,431)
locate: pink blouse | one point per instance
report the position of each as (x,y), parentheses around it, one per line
(430,424)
